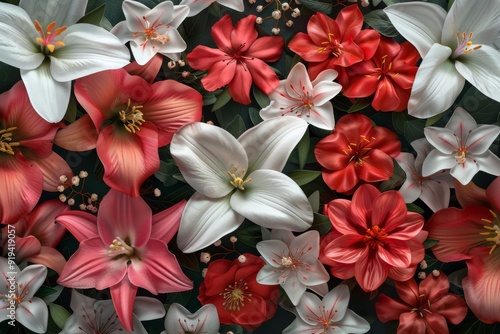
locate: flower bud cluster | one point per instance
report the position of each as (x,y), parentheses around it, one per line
(281,10)
(88,201)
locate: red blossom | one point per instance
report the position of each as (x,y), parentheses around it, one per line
(356,151)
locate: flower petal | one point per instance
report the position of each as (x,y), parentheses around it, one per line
(33,315)
(146,308)
(273,252)
(196,6)
(445,140)
(123,295)
(50,258)
(437,161)
(166,223)
(82,225)
(371,272)
(435,194)
(52,167)
(353,323)
(204,154)
(79,136)
(206,318)
(309,303)
(273,200)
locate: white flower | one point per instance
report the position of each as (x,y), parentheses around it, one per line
(297,96)
(17,289)
(43,40)
(462,146)
(433,190)
(152,31)
(92,316)
(180,320)
(238,179)
(292,262)
(455,47)
(329,316)
(196,6)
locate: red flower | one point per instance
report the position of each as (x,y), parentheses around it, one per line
(240,59)
(373,236)
(356,151)
(333,43)
(232,287)
(423,309)
(389,74)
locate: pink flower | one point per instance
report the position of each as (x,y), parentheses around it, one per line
(37,236)
(240,59)
(330,43)
(132,118)
(424,308)
(124,248)
(473,234)
(27,163)
(373,236)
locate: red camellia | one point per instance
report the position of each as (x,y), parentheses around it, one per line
(232,287)
(389,74)
(356,151)
(335,43)
(373,237)
(239,60)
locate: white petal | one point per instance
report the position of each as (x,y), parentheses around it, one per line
(337,301)
(135,12)
(442,139)
(481,138)
(437,84)
(314,275)
(326,75)
(306,246)
(121,31)
(81,302)
(180,13)
(204,221)
(422,147)
(273,200)
(269,144)
(196,6)
(31,279)
(33,315)
(49,97)
(63,12)
(464,173)
(233,4)
(325,91)
(482,69)
(321,116)
(88,49)
(269,275)
(488,163)
(298,83)
(299,327)
(283,235)
(204,154)
(146,308)
(420,23)
(479,17)
(205,320)
(309,307)
(273,251)
(435,194)
(410,190)
(143,50)
(437,161)
(353,323)
(461,122)
(17,45)
(294,288)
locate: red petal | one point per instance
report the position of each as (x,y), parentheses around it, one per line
(342,181)
(221,32)
(329,151)
(346,249)
(244,33)
(166,222)
(25,246)
(386,97)
(339,212)
(239,87)
(377,167)
(362,205)
(124,216)
(470,194)
(40,222)
(203,57)
(78,136)
(304,46)
(389,211)
(52,167)
(408,292)
(267,48)
(219,276)
(82,225)
(450,306)
(50,258)
(220,74)
(389,309)
(361,86)
(117,148)
(319,26)
(368,40)
(412,323)
(351,54)
(262,75)
(395,253)
(492,194)
(350,21)
(409,228)
(123,295)
(147,71)
(385,140)
(370,271)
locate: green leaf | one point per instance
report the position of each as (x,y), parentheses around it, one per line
(195,26)
(318,6)
(70,115)
(231,328)
(303,149)
(10,75)
(321,223)
(45,291)
(186,260)
(58,314)
(165,173)
(414,208)
(314,201)
(432,120)
(179,297)
(360,104)
(302,177)
(236,127)
(429,243)
(222,99)
(379,21)
(396,180)
(250,235)
(450,3)
(261,98)
(390,2)
(483,109)
(254,114)
(94,17)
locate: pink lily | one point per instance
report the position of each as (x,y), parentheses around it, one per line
(27,163)
(124,248)
(37,236)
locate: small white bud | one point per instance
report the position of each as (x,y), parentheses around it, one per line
(285,6)
(82,207)
(75,180)
(242,258)
(217,243)
(94,197)
(259,9)
(181,63)
(185,74)
(63,178)
(276,30)
(60,188)
(289,23)
(276,14)
(205,257)
(171,64)
(233,239)
(421,275)
(259,20)
(62,198)
(423,265)
(83,174)
(71,201)
(365,3)
(436,273)
(94,209)
(157,192)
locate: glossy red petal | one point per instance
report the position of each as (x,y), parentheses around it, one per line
(389,211)
(123,296)
(362,205)
(342,181)
(267,48)
(220,74)
(303,45)
(408,292)
(346,249)
(203,57)
(82,225)
(378,166)
(350,21)
(452,307)
(368,40)
(244,33)
(147,71)
(389,309)
(239,87)
(52,167)
(370,271)
(262,75)
(221,32)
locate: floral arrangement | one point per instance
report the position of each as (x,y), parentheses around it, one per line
(249,166)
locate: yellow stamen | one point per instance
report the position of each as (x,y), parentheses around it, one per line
(6,143)
(132,118)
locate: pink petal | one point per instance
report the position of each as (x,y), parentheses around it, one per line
(389,309)
(389,210)
(117,148)
(244,33)
(362,205)
(347,249)
(412,323)
(239,87)
(222,31)
(52,167)
(370,271)
(157,270)
(25,247)
(78,136)
(409,228)
(124,216)
(395,253)
(450,306)
(434,287)
(40,222)
(339,212)
(170,106)
(123,295)
(220,74)
(492,194)
(91,267)
(82,225)
(147,71)
(166,222)
(50,258)
(408,291)
(18,199)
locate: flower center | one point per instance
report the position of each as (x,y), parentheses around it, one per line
(47,37)
(150,34)
(465,45)
(461,157)
(15,297)
(304,103)
(132,118)
(97,324)
(375,237)
(332,45)
(322,318)
(6,143)
(235,295)
(492,232)
(119,247)
(238,180)
(423,305)
(190,329)
(358,152)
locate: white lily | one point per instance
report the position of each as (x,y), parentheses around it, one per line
(292,262)
(17,289)
(238,179)
(327,316)
(433,190)
(196,6)
(462,146)
(43,40)
(454,46)
(297,96)
(180,320)
(152,31)
(91,316)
